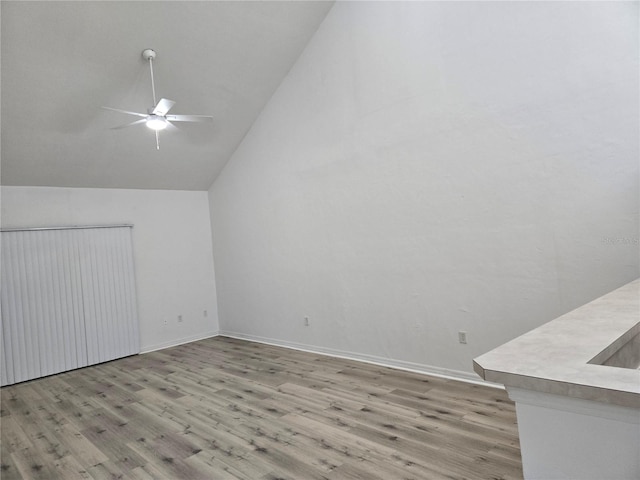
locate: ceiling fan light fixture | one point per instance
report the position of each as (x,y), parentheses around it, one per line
(155,122)
(156,117)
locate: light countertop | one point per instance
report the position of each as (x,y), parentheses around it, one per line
(554,358)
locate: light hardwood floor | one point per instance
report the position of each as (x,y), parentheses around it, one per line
(223,409)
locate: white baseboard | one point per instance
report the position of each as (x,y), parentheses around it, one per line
(180,341)
(372,359)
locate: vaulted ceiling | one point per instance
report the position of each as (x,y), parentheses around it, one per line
(62,61)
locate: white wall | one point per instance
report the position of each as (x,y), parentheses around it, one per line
(172,249)
(429,167)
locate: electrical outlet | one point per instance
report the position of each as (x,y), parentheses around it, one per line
(462,337)
(306,321)
(179,318)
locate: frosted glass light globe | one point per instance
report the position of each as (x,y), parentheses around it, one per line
(155,122)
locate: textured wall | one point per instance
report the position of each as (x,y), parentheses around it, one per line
(429,167)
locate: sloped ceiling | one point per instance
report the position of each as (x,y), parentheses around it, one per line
(62,61)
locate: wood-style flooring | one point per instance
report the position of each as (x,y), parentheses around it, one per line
(228,409)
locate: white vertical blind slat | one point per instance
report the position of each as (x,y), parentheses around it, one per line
(66,309)
(114,332)
(32,309)
(4,374)
(7,306)
(19,332)
(59,304)
(92,324)
(77,289)
(17,341)
(71,310)
(44,279)
(115,311)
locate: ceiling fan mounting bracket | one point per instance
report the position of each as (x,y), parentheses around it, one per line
(149,54)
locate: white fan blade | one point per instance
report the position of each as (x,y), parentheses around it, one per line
(163,107)
(126,111)
(189,118)
(143,120)
(171,127)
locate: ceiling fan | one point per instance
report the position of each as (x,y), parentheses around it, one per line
(157,117)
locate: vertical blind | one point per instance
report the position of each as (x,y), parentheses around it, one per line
(68,300)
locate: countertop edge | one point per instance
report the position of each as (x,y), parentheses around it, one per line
(561,367)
